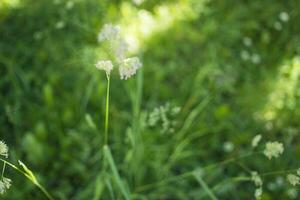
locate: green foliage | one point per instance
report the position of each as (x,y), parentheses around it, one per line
(53,99)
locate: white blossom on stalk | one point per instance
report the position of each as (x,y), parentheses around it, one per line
(5,184)
(3,149)
(293,179)
(109,32)
(128,67)
(256,178)
(105,65)
(273,149)
(256,140)
(258,193)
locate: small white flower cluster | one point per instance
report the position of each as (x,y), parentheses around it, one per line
(5,183)
(294,179)
(258,183)
(3,149)
(105,65)
(163,114)
(256,140)
(273,149)
(127,66)
(246,54)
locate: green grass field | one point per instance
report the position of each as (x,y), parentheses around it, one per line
(215,75)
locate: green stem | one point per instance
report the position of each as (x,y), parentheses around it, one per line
(3,170)
(107,111)
(35,182)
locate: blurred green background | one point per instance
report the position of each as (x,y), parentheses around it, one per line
(232,67)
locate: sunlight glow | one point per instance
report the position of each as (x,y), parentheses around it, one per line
(144,24)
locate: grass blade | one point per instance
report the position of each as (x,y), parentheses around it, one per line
(115,172)
(205,186)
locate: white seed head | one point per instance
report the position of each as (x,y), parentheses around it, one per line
(256,140)
(5,184)
(3,149)
(109,32)
(105,65)
(293,179)
(128,67)
(273,149)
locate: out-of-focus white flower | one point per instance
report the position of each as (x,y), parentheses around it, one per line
(109,32)
(60,25)
(69,5)
(278,26)
(293,179)
(5,184)
(292,193)
(228,146)
(138,2)
(3,149)
(284,16)
(256,179)
(255,58)
(273,149)
(105,65)
(247,41)
(245,55)
(258,193)
(256,140)
(298,172)
(128,67)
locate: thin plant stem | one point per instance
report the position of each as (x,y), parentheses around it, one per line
(107,111)
(35,182)
(3,170)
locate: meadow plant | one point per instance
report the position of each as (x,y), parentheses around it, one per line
(127,66)
(5,183)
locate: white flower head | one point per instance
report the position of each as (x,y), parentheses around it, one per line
(5,184)
(109,32)
(256,179)
(3,149)
(256,140)
(293,179)
(105,65)
(284,16)
(128,67)
(273,149)
(258,193)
